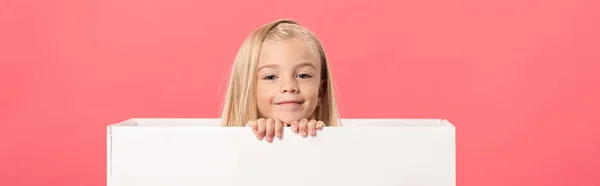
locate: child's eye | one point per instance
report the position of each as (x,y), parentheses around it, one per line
(270,77)
(304,76)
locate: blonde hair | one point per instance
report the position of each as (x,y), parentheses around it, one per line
(240,99)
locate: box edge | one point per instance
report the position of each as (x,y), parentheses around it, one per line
(108,155)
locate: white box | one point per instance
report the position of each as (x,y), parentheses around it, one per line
(364,152)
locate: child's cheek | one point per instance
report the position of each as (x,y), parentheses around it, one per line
(310,87)
(271,99)
(309,91)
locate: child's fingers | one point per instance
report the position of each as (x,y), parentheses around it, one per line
(320,124)
(278,128)
(311,127)
(295,126)
(261,129)
(302,126)
(252,123)
(270,129)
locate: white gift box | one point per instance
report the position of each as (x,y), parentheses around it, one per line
(364,152)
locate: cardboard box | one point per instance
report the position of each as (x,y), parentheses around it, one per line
(365,152)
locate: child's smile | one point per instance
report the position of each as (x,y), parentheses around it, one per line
(290,105)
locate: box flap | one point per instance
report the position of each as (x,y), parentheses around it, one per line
(346,122)
(147,151)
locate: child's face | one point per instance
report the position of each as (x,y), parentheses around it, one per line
(289,77)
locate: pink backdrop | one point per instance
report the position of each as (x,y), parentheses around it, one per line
(519,78)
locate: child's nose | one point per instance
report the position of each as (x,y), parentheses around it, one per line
(290,87)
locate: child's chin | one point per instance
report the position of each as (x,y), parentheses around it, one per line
(290,119)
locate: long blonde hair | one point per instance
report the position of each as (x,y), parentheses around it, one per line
(240,99)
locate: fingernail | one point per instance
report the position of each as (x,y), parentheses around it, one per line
(295,129)
(270,138)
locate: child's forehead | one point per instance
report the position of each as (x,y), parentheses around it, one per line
(288,52)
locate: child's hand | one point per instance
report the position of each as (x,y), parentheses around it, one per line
(266,128)
(305,126)
(270,128)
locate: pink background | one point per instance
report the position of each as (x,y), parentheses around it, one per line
(519,78)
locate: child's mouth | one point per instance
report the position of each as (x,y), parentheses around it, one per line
(289,103)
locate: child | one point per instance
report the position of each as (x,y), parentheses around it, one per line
(280,77)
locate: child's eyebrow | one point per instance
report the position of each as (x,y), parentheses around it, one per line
(268,66)
(297,66)
(306,64)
